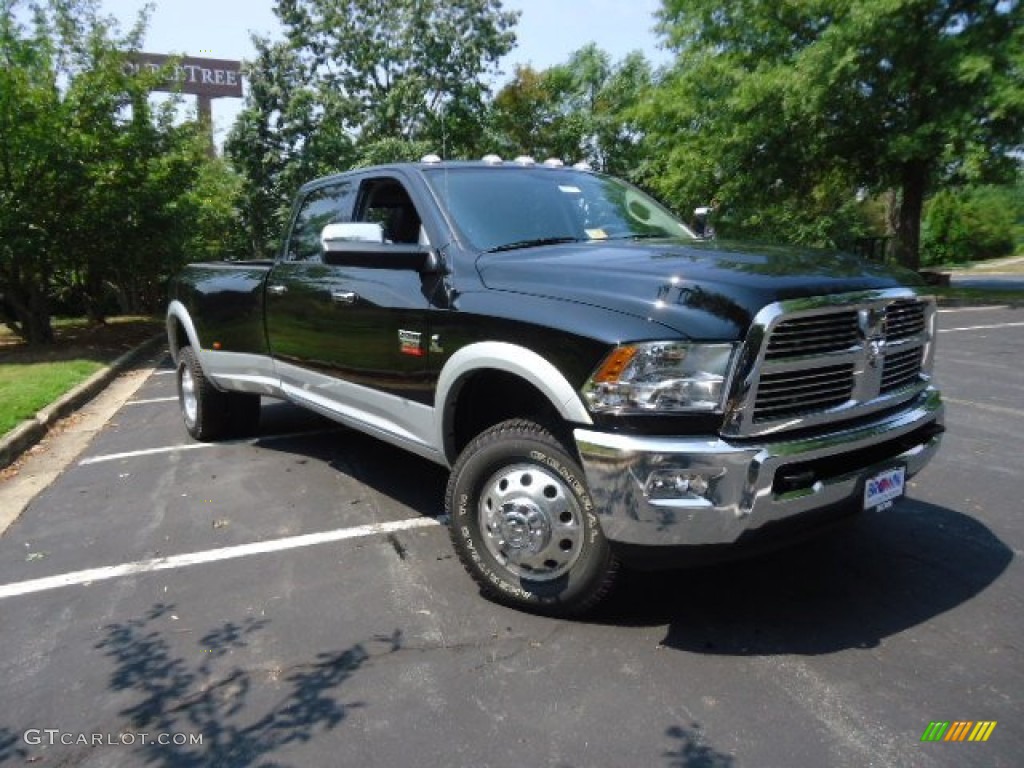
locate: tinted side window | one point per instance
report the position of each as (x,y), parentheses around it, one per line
(322,206)
(385,202)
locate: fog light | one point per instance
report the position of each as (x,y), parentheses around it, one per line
(677,484)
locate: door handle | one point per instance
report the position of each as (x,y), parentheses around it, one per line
(277,290)
(343,297)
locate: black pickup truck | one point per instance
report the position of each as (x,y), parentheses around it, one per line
(605,386)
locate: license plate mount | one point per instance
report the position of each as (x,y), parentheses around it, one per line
(882,488)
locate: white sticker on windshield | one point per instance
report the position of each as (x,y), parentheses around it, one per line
(571,190)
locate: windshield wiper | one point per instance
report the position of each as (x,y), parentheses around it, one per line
(532,243)
(643,236)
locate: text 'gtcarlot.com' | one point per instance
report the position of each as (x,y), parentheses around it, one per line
(53,737)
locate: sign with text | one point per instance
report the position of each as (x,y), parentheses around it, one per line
(213,78)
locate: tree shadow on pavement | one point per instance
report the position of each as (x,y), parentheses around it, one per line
(690,752)
(172,695)
(873,577)
(10,746)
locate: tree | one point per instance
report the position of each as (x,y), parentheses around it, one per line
(97,187)
(354,79)
(579,110)
(795,107)
(530,116)
(970,224)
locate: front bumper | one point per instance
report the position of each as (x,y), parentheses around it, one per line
(751,484)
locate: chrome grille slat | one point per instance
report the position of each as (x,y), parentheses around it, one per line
(837,380)
(813,335)
(792,393)
(901,369)
(904,319)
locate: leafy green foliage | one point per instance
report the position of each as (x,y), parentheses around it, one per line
(580,110)
(783,110)
(98,189)
(970,225)
(355,80)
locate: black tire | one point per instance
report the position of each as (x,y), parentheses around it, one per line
(524,525)
(208,413)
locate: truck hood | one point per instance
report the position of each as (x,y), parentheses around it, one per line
(703,290)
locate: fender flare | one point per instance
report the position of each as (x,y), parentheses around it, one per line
(178,314)
(509,358)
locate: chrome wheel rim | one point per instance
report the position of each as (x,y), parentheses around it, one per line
(531,522)
(189,401)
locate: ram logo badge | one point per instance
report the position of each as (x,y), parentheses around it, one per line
(872,325)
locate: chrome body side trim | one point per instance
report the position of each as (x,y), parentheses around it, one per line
(242,372)
(742,495)
(394,419)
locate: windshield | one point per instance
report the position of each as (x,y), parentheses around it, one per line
(507,208)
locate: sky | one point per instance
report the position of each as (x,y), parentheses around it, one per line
(548,31)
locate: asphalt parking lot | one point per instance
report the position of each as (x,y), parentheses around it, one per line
(293,600)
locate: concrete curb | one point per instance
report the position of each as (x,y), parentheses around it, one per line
(31,431)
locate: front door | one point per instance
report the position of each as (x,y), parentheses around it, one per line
(354,342)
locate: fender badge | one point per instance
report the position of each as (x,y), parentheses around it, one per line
(409,343)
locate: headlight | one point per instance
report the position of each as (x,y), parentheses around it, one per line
(661,376)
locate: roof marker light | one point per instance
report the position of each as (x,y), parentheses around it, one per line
(583,165)
(525,160)
(553,162)
(430,159)
(492,159)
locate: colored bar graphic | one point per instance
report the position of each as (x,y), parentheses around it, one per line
(982,731)
(959,730)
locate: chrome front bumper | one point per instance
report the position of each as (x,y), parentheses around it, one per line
(745,492)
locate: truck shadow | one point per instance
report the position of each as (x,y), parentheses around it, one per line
(867,579)
(402,477)
(870,578)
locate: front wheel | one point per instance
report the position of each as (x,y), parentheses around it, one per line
(523,522)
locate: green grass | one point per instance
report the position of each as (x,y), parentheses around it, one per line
(25,388)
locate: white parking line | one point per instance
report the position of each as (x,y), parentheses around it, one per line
(982,327)
(164,373)
(194,446)
(152,400)
(146,452)
(210,556)
(953,310)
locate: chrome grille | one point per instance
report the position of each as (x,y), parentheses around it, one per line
(815,361)
(791,393)
(814,335)
(901,368)
(904,319)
